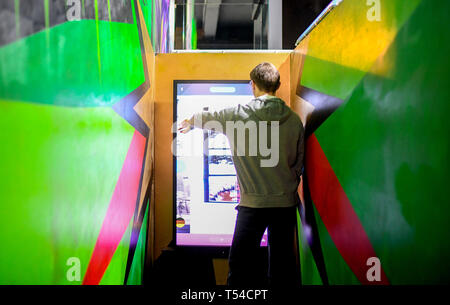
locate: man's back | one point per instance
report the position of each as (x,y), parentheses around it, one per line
(266,137)
(271,178)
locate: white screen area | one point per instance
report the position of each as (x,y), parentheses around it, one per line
(207,191)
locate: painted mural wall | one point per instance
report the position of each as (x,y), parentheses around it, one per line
(76,159)
(372,82)
(79,87)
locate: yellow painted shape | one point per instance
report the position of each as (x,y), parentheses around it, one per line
(348,38)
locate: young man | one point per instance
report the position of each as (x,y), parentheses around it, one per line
(268,184)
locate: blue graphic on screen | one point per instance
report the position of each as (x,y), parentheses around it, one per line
(207,190)
(219,173)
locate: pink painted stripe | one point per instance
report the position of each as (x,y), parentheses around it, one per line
(338,215)
(120,211)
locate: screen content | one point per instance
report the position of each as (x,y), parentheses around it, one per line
(207,191)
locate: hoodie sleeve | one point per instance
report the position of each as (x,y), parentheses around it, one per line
(298,166)
(208,117)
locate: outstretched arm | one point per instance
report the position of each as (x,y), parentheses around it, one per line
(200,119)
(186,126)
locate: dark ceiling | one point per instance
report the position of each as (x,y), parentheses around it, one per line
(228,24)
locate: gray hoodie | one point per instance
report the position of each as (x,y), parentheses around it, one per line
(268,167)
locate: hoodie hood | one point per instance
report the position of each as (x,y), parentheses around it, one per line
(270,108)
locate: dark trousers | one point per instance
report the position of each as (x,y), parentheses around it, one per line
(244,261)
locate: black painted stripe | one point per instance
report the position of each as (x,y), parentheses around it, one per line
(324,106)
(125,108)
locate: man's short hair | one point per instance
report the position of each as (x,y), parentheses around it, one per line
(266,77)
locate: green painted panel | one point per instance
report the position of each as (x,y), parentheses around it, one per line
(310,274)
(52,206)
(330,78)
(137,267)
(115,273)
(146,7)
(80,63)
(338,271)
(389,146)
